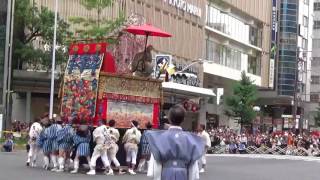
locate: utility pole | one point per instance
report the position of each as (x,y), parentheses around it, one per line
(53,60)
(295,92)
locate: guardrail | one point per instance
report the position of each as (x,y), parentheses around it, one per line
(277,150)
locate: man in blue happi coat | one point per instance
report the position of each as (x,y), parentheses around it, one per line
(174,152)
(53,137)
(47,141)
(81,140)
(65,143)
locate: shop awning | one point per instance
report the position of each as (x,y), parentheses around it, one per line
(188,90)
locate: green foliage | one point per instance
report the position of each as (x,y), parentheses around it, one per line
(97,4)
(97,28)
(35,26)
(241,103)
(317,118)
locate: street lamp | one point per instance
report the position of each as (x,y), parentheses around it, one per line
(193,63)
(256,109)
(53,60)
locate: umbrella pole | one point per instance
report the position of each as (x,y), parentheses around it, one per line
(145,47)
(145,53)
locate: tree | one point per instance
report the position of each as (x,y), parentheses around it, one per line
(96,28)
(240,104)
(33,28)
(317,118)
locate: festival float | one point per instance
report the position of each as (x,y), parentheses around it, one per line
(113,81)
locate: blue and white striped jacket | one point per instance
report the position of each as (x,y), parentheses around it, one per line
(48,139)
(82,144)
(65,137)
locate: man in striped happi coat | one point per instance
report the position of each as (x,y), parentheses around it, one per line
(44,142)
(145,149)
(100,150)
(53,137)
(81,141)
(65,143)
(113,149)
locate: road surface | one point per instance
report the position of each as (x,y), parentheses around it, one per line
(12,167)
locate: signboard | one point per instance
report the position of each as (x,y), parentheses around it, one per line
(162,62)
(273,48)
(271,73)
(274,21)
(185,6)
(124,98)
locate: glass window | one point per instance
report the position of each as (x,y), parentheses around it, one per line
(316,6)
(304,43)
(315,79)
(305,21)
(316,24)
(224,55)
(288,6)
(287,87)
(209,50)
(288,23)
(315,62)
(314,98)
(288,53)
(254,65)
(289,11)
(288,18)
(233,26)
(316,43)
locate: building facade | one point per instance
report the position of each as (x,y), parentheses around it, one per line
(292,65)
(185,20)
(237,37)
(315,66)
(231,36)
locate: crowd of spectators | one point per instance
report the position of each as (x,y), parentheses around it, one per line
(238,142)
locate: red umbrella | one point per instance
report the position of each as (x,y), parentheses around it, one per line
(147,30)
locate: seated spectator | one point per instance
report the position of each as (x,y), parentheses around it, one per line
(8,145)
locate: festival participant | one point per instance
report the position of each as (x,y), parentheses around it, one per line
(207,143)
(131,139)
(81,140)
(174,153)
(145,149)
(44,141)
(113,149)
(65,143)
(100,136)
(53,136)
(34,134)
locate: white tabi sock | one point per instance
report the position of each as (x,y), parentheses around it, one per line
(54,160)
(46,160)
(76,164)
(61,162)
